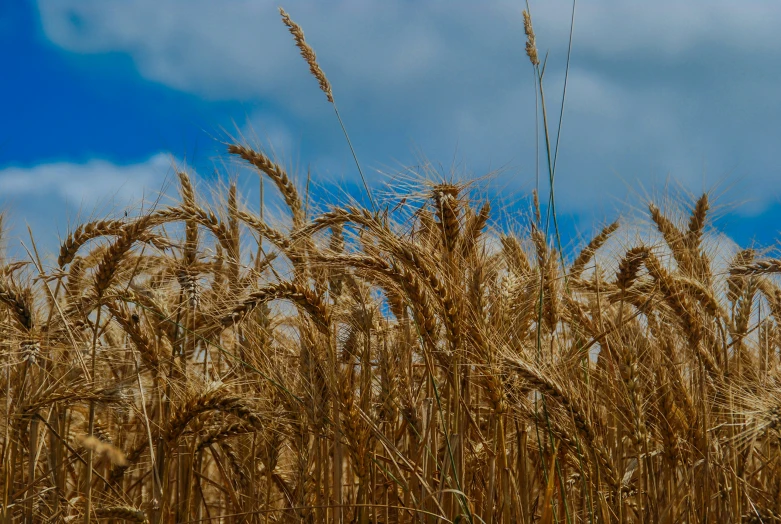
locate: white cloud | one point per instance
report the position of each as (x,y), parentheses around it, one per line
(85,185)
(49,196)
(240,48)
(656,87)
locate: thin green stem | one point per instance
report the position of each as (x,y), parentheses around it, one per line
(355,157)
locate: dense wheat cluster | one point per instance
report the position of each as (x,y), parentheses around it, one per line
(196,364)
(415,361)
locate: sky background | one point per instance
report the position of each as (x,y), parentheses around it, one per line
(100,99)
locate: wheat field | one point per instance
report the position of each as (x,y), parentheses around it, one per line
(415,360)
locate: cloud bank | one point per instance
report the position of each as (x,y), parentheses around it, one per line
(655,89)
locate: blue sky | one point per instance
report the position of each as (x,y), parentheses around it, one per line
(102,97)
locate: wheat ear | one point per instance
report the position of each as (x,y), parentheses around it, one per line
(308,54)
(588,252)
(277,175)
